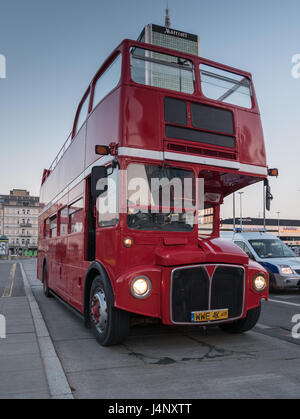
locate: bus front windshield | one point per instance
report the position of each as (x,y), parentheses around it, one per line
(160,198)
(271,249)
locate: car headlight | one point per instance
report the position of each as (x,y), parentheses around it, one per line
(259,282)
(286,270)
(141,287)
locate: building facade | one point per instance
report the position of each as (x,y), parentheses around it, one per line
(1,219)
(287,230)
(170,38)
(179,76)
(19,221)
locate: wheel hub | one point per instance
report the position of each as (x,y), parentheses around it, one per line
(99,310)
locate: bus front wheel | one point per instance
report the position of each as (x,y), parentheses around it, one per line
(109,324)
(243,325)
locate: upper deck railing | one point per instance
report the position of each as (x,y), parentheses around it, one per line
(61,152)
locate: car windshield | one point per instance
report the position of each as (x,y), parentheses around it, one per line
(271,249)
(160,198)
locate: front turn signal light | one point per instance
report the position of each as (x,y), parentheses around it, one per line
(273,172)
(102,150)
(128,242)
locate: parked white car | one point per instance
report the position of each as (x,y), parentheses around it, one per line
(275,256)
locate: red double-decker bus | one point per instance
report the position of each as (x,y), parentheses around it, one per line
(154,114)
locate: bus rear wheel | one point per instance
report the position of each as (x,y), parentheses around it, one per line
(47,291)
(109,324)
(243,325)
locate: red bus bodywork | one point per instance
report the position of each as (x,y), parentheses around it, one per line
(132,117)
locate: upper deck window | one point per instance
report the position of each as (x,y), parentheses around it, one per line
(82,113)
(108,80)
(225,86)
(160,70)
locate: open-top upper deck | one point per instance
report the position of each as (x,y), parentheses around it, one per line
(163,105)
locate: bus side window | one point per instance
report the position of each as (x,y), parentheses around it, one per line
(47,228)
(63,222)
(108,201)
(53,226)
(76,216)
(108,80)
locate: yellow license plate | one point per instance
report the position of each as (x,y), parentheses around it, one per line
(209,316)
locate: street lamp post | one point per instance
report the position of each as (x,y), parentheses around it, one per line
(241,216)
(233,210)
(278,213)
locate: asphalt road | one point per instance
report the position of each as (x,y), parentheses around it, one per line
(178,362)
(11,282)
(277,315)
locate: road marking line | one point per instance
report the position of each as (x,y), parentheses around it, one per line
(284,302)
(8,289)
(263,326)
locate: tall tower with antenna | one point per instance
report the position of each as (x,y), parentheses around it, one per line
(167,18)
(164,36)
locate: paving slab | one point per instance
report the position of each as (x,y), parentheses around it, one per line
(22,373)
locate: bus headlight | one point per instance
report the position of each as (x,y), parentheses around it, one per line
(286,270)
(259,282)
(141,287)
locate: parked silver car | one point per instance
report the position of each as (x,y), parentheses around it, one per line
(275,256)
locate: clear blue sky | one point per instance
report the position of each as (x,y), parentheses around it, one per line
(53,48)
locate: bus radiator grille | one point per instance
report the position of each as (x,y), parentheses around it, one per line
(193,290)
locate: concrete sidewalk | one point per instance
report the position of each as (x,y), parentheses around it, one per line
(29,366)
(22,374)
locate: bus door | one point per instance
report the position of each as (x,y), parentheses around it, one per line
(61,254)
(107,217)
(75,251)
(90,240)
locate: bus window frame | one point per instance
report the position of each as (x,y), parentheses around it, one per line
(52,217)
(86,96)
(228,70)
(46,232)
(105,67)
(127,44)
(172,53)
(118,198)
(71,212)
(124,197)
(59,221)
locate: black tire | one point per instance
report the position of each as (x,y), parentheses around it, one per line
(272,283)
(243,325)
(110,325)
(47,291)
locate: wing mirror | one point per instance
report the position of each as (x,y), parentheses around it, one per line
(269,196)
(97,184)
